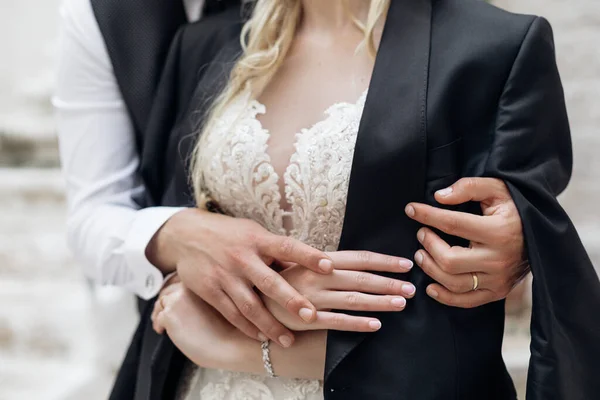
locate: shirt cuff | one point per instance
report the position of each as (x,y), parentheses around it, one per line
(147,279)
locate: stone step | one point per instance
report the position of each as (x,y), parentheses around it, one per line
(49,380)
(28,149)
(32,217)
(61,341)
(24,187)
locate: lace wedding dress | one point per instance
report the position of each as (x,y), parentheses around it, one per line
(244,181)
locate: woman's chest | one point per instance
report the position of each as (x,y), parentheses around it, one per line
(306,196)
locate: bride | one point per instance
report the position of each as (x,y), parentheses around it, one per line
(331,117)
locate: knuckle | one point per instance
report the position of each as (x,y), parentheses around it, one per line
(286,246)
(249,309)
(392,285)
(451,225)
(445,263)
(362,278)
(252,235)
(469,183)
(237,257)
(391,262)
(352,300)
(293,303)
(267,283)
(364,256)
(271,330)
(211,288)
(337,320)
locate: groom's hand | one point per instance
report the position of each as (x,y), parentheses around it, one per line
(495,256)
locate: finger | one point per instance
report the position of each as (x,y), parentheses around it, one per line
(466,300)
(472,227)
(253,309)
(473,189)
(369,261)
(227,308)
(366,282)
(460,283)
(155,311)
(274,286)
(343,322)
(357,301)
(163,319)
(455,259)
(288,249)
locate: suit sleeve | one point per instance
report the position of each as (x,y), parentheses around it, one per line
(531,152)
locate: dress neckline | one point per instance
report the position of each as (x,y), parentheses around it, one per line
(253,108)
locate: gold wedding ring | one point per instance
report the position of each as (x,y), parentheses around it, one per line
(475,281)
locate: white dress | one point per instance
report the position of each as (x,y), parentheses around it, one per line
(242,180)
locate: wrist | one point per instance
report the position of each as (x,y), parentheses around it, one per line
(163,249)
(240,353)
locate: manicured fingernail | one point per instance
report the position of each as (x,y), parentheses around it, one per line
(409,289)
(432,292)
(262,337)
(421,235)
(399,302)
(306,314)
(285,341)
(406,264)
(419,258)
(445,192)
(410,211)
(325,265)
(375,325)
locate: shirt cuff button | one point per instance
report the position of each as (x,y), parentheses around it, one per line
(150,281)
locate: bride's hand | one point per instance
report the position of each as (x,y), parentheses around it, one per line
(196,328)
(350,288)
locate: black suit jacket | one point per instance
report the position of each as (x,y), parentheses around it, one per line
(460,88)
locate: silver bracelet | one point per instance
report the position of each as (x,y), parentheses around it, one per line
(266,356)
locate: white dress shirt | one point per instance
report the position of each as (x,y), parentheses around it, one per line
(107,231)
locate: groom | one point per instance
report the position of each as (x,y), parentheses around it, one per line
(137,35)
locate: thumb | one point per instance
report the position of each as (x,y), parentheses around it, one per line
(473,189)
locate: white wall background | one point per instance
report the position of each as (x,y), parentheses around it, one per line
(27,44)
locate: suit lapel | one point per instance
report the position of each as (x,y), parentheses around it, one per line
(389,164)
